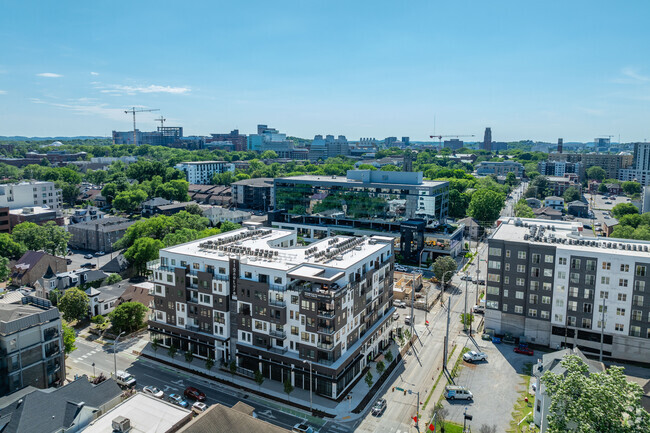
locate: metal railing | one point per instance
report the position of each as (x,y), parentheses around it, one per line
(277,334)
(326,329)
(328,314)
(326,346)
(277,288)
(277,303)
(279,350)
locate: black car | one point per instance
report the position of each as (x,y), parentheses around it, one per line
(89,265)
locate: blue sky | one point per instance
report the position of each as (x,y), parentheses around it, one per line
(530,70)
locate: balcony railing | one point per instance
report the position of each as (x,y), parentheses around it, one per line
(277,303)
(326,329)
(277,334)
(328,314)
(279,350)
(50,334)
(326,346)
(277,288)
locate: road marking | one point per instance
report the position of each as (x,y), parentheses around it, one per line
(76,359)
(268,414)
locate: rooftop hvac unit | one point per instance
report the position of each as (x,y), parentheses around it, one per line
(121,424)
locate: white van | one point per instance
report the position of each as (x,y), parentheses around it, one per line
(454,392)
(407,320)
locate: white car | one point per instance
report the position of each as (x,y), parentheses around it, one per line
(473,356)
(303,428)
(199,406)
(152,390)
(401,268)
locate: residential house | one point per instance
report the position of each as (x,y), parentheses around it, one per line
(211,194)
(404,283)
(554,202)
(86,214)
(472,229)
(578,209)
(547,213)
(104,299)
(614,188)
(534,203)
(141,292)
(174,208)
(238,419)
(609,225)
(65,280)
(151,207)
(33,265)
(118,265)
(98,235)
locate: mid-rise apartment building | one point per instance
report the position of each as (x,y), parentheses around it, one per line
(640,169)
(328,147)
(610,162)
(487,168)
(256,297)
(558,168)
(31,345)
(201,172)
(553,286)
(30,194)
(257,193)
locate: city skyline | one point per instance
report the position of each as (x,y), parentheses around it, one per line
(536,72)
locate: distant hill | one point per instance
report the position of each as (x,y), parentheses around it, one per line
(22,138)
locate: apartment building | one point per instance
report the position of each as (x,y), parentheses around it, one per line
(201,172)
(30,194)
(31,345)
(256,194)
(98,235)
(487,168)
(551,285)
(610,162)
(256,297)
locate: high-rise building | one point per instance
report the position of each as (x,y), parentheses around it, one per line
(257,297)
(640,170)
(408,161)
(406,141)
(453,144)
(328,147)
(238,140)
(560,143)
(553,286)
(487,139)
(271,139)
(610,162)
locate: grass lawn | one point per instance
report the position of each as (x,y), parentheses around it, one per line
(452,427)
(523,409)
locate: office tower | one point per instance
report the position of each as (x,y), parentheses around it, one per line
(487,139)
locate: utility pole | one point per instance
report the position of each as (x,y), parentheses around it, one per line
(465,316)
(412,311)
(133,111)
(602,330)
(444,361)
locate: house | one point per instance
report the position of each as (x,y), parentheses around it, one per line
(64,280)
(614,188)
(211,194)
(117,265)
(151,207)
(554,202)
(141,292)
(547,213)
(88,213)
(552,362)
(608,226)
(174,208)
(534,203)
(90,195)
(578,209)
(217,215)
(69,408)
(472,228)
(238,419)
(593,186)
(104,299)
(404,283)
(98,235)
(33,265)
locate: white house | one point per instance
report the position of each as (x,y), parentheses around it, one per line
(554,202)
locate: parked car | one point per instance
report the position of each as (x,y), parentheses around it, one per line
(89,265)
(474,356)
(407,320)
(400,304)
(379,407)
(88,256)
(466,278)
(68,261)
(524,350)
(401,268)
(481,282)
(454,392)
(100,253)
(608,202)
(478,309)
(194,394)
(303,428)
(199,407)
(152,390)
(395,316)
(125,379)
(177,399)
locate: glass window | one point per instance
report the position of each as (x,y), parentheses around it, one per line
(521,268)
(521,255)
(575,263)
(544,314)
(521,282)
(625,268)
(536,258)
(546,299)
(640,271)
(639,286)
(606,266)
(604,280)
(562,261)
(519,309)
(494,264)
(492,305)
(548,258)
(548,272)
(519,295)
(495,251)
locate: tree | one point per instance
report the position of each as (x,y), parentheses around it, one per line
(523,210)
(113,278)
(174,190)
(49,237)
(622,209)
(142,251)
(9,247)
(571,194)
(129,201)
(369,379)
(4,268)
(194,209)
(631,188)
(69,338)
(466,319)
(602,188)
(288,388)
(155,345)
(596,402)
(380,367)
(269,154)
(259,378)
(511,179)
(538,187)
(209,363)
(227,226)
(74,304)
(30,235)
(485,206)
(189,356)
(596,173)
(389,356)
(54,296)
(444,268)
(233,368)
(172,351)
(128,316)
(69,192)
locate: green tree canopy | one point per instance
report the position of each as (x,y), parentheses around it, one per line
(571,194)
(10,248)
(48,237)
(485,206)
(622,209)
(593,403)
(631,188)
(444,267)
(128,316)
(129,201)
(74,304)
(113,278)
(142,251)
(69,338)
(523,210)
(596,173)
(4,268)
(602,188)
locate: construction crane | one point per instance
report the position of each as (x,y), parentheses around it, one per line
(440,137)
(133,110)
(161,120)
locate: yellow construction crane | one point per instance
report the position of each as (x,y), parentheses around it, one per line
(133,110)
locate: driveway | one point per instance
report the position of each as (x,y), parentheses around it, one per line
(496,385)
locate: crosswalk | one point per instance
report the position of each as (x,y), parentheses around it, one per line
(83,357)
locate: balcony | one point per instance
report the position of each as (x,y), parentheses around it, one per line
(325,345)
(50,334)
(192,328)
(277,303)
(277,288)
(277,334)
(53,368)
(327,314)
(278,350)
(329,330)
(220,277)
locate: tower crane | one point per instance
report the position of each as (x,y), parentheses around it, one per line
(133,110)
(161,120)
(440,137)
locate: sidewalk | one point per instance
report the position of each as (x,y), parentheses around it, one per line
(273,391)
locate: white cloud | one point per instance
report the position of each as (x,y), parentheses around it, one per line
(94,73)
(118,89)
(631,76)
(3,92)
(87,109)
(49,75)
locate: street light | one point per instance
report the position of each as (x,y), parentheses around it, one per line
(310,382)
(115,350)
(94,375)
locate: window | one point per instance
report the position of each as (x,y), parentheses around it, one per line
(532,299)
(493,290)
(546,299)
(294,330)
(562,261)
(622,297)
(548,272)
(505,293)
(573,292)
(277,280)
(547,286)
(544,315)
(600,309)
(639,286)
(519,295)
(575,263)
(534,272)
(183,263)
(521,282)
(507,254)
(495,251)
(575,277)
(495,278)
(625,268)
(586,323)
(521,268)
(604,295)
(521,255)
(587,308)
(591,264)
(294,299)
(637,315)
(507,266)
(534,285)
(637,300)
(558,318)
(571,321)
(506,280)
(619,327)
(536,258)
(561,275)
(620,311)
(492,305)
(548,258)
(607,266)
(640,271)
(588,294)
(222,270)
(635,331)
(494,264)
(572,306)
(604,280)
(590,280)
(195,265)
(170,278)
(622,283)
(559,302)
(532,312)
(519,309)
(248,275)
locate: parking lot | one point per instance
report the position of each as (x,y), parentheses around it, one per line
(78,259)
(495,384)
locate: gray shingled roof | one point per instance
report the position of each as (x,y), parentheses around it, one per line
(220,418)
